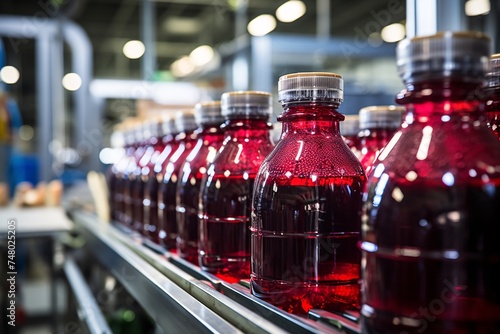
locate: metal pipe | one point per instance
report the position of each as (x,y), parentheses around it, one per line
(323,19)
(44,31)
(148,64)
(86,130)
(44,110)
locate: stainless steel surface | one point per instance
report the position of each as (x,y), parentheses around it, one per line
(232,303)
(88,310)
(172,308)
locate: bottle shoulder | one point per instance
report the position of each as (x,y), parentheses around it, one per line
(240,155)
(441,153)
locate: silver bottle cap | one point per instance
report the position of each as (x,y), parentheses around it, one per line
(185,121)
(350,125)
(444,54)
(209,113)
(388,117)
(246,104)
(311,86)
(493,75)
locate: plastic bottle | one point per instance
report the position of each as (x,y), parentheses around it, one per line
(307,204)
(186,124)
(210,137)
(378,124)
(155,145)
(226,192)
(493,88)
(122,186)
(137,184)
(349,129)
(132,175)
(431,216)
(112,175)
(152,229)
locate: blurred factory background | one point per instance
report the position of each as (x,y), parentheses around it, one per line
(77,67)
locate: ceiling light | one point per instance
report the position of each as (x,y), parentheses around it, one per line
(134,49)
(182,67)
(26,132)
(202,55)
(290,11)
(71,81)
(9,74)
(261,25)
(477,7)
(393,33)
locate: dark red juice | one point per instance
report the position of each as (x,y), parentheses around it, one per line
(226,227)
(188,192)
(432,266)
(151,186)
(432,205)
(167,188)
(227,187)
(305,240)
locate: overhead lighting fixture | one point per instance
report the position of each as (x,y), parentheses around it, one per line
(261,25)
(72,81)
(290,11)
(477,7)
(182,67)
(393,33)
(9,74)
(134,49)
(202,55)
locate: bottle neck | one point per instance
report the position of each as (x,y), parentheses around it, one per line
(433,99)
(312,118)
(247,127)
(376,138)
(210,132)
(185,136)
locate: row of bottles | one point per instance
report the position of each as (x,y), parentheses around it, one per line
(392,212)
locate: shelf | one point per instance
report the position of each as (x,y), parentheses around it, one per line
(163,282)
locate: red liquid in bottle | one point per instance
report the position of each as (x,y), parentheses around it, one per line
(152,227)
(167,188)
(114,173)
(137,188)
(378,124)
(129,177)
(493,104)
(432,211)
(209,141)
(307,204)
(349,129)
(226,192)
(146,165)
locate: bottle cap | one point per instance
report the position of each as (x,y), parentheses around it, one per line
(168,125)
(311,86)
(147,130)
(493,75)
(209,113)
(350,125)
(117,138)
(444,54)
(246,104)
(387,117)
(155,126)
(139,131)
(184,120)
